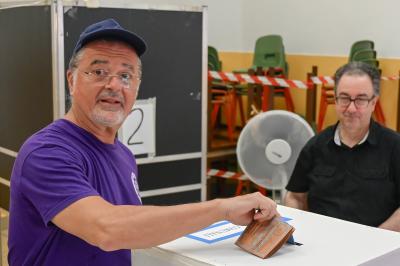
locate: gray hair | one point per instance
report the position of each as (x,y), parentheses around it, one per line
(75,59)
(359,69)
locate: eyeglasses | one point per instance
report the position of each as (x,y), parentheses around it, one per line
(359,102)
(103,77)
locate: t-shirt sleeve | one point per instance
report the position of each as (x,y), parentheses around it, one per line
(52,178)
(298,181)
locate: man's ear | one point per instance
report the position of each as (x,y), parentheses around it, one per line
(138,87)
(70,79)
(374,101)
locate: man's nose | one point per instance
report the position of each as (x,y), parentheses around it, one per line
(114,82)
(352,107)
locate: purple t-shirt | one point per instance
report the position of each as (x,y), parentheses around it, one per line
(57,166)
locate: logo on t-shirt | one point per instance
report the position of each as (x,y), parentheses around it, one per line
(135,185)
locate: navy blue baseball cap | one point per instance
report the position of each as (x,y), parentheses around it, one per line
(109,28)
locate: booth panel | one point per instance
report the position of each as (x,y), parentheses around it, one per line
(26,103)
(169,174)
(174,198)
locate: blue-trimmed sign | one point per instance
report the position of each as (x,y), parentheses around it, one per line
(220,231)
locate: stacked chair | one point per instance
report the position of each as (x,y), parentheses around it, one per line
(270,60)
(213,59)
(361,51)
(269,52)
(223,96)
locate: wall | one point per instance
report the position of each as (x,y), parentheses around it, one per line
(323,27)
(315,32)
(317,27)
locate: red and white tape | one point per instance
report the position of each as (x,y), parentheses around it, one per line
(277,82)
(327,80)
(391,78)
(226,174)
(264,80)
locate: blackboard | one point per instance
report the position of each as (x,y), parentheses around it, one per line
(26,96)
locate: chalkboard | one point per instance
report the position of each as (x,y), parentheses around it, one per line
(172,67)
(26,103)
(26,95)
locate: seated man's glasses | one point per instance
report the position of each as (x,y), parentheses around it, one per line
(103,77)
(359,102)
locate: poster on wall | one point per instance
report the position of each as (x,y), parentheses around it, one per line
(138,132)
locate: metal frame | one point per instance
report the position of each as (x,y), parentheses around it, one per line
(169,190)
(1,242)
(57,26)
(204,116)
(169,158)
(129,4)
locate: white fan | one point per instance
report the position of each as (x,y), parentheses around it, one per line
(269,145)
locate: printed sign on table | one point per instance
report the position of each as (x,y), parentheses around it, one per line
(220,231)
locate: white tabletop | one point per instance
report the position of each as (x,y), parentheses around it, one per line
(326,241)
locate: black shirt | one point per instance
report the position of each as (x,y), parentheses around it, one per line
(359,184)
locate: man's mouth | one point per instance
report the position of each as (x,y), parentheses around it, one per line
(111,104)
(110,101)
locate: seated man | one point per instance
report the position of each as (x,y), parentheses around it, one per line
(74,191)
(351,170)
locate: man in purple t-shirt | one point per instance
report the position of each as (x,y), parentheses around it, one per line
(74,194)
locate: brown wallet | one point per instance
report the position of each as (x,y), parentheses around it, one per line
(263,239)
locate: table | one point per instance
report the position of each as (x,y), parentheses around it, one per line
(326,241)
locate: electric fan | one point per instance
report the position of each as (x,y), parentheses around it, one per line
(269,145)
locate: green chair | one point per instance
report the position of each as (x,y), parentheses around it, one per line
(212,50)
(364,54)
(269,52)
(213,63)
(360,45)
(213,53)
(372,62)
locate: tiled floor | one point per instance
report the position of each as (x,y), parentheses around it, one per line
(4,234)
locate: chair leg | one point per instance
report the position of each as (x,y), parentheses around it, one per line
(241,110)
(262,190)
(228,116)
(214,114)
(288,99)
(322,110)
(233,99)
(265,97)
(239,188)
(379,113)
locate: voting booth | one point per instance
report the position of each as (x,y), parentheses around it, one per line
(320,240)
(166,130)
